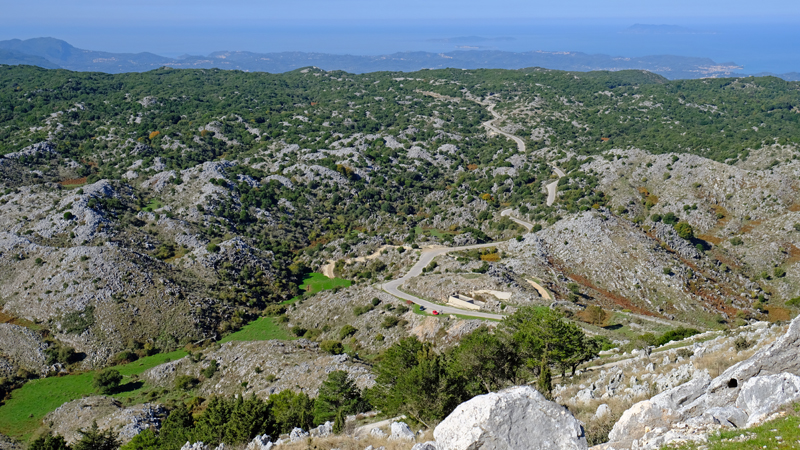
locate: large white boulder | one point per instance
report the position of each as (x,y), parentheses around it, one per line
(762,396)
(661,411)
(518,418)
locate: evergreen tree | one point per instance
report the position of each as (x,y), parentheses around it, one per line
(177,429)
(146,440)
(211,426)
(49,442)
(290,409)
(338,392)
(249,417)
(94,439)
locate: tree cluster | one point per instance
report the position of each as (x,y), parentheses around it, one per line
(415,379)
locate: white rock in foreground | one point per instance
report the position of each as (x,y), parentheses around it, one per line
(518,418)
(401,431)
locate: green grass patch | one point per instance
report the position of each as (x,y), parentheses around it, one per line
(432,232)
(261,329)
(153,205)
(780,433)
(318,282)
(22,414)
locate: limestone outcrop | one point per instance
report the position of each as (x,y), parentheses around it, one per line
(517,418)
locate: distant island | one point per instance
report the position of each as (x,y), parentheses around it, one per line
(640,28)
(55,53)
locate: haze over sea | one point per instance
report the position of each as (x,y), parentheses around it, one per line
(758,47)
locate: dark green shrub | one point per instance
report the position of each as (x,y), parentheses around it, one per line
(211,369)
(125,357)
(390,321)
(740,343)
(186,382)
(332,347)
(346,331)
(274,310)
(106,381)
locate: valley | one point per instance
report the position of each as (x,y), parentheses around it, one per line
(218,235)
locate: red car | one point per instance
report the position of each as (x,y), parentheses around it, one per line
(435,312)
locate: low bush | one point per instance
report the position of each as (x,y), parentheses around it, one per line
(347,330)
(106,381)
(332,347)
(389,322)
(740,343)
(211,369)
(186,382)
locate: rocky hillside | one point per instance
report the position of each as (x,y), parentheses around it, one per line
(161,212)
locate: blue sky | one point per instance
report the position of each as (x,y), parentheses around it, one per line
(762,34)
(205,11)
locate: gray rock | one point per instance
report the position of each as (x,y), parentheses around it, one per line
(430,445)
(298,434)
(781,356)
(728,416)
(660,411)
(326,429)
(761,396)
(602,411)
(377,432)
(24,348)
(515,418)
(401,431)
(260,443)
(195,446)
(6,443)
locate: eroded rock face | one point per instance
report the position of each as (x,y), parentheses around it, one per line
(70,417)
(783,356)
(515,418)
(761,396)
(660,411)
(743,396)
(24,348)
(430,445)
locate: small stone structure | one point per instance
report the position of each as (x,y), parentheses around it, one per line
(462,301)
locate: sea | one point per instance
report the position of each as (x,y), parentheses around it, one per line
(756,46)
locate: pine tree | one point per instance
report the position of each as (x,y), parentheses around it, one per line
(250,417)
(338,392)
(146,440)
(177,429)
(49,442)
(94,439)
(338,423)
(211,426)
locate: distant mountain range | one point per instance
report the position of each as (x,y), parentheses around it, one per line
(55,53)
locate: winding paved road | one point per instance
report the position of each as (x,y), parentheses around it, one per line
(507,213)
(552,188)
(427,255)
(425,258)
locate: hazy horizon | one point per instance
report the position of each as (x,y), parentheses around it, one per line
(760,37)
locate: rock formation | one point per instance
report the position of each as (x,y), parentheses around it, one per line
(516,418)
